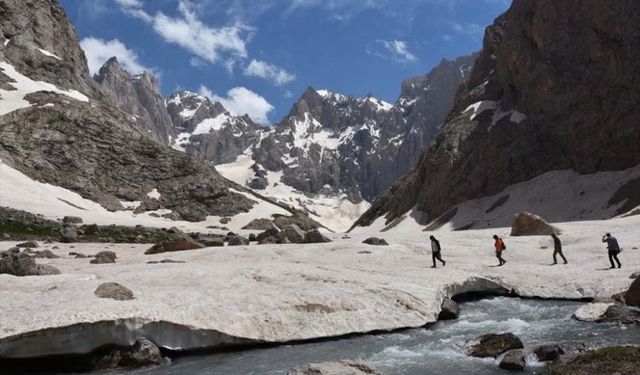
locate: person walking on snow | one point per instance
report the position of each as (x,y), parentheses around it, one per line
(435,251)
(614,249)
(500,247)
(557,249)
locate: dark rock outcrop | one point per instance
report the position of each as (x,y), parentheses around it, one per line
(315,236)
(547,353)
(528,224)
(512,119)
(142,353)
(114,291)
(492,345)
(294,233)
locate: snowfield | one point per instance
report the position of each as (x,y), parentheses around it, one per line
(279,293)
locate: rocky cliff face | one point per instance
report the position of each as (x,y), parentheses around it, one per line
(138,96)
(58,126)
(555,87)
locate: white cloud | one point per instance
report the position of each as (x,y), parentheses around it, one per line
(395,50)
(239,101)
(471,29)
(98,51)
(262,69)
(288,94)
(188,32)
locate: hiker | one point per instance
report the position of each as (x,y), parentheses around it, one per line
(435,251)
(614,249)
(500,246)
(557,249)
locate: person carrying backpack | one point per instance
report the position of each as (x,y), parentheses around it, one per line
(435,251)
(614,249)
(500,247)
(557,249)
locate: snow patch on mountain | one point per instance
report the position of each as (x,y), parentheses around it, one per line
(12,100)
(216,123)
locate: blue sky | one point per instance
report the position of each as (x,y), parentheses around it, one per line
(258,56)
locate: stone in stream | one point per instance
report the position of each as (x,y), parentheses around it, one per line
(180,244)
(450,310)
(142,353)
(548,352)
(343,367)
(514,360)
(619,360)
(621,314)
(528,224)
(104,257)
(492,345)
(376,241)
(114,291)
(28,244)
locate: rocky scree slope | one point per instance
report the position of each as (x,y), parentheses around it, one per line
(555,87)
(58,126)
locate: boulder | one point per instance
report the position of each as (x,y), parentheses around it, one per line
(619,360)
(492,345)
(252,237)
(621,314)
(238,241)
(69,233)
(528,224)
(303,221)
(335,368)
(258,183)
(165,261)
(514,360)
(77,255)
(211,241)
(272,232)
(549,352)
(180,244)
(450,310)
(268,241)
(104,257)
(142,353)
(114,291)
(259,224)
(632,296)
(28,244)
(72,220)
(225,220)
(376,241)
(48,254)
(294,233)
(314,236)
(591,312)
(21,264)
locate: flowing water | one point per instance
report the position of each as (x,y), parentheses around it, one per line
(437,349)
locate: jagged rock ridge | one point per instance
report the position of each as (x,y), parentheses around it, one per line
(534,102)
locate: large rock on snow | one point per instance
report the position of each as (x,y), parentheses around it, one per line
(492,345)
(619,360)
(514,360)
(180,244)
(314,236)
(104,257)
(632,296)
(28,244)
(259,224)
(21,264)
(376,241)
(528,224)
(294,233)
(238,240)
(114,291)
(335,368)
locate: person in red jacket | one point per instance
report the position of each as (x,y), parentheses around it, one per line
(500,246)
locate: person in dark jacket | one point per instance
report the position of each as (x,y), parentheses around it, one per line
(500,246)
(557,249)
(614,249)
(435,251)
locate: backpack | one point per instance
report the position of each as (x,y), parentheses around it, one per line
(504,246)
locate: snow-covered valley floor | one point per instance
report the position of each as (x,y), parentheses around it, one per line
(280,293)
